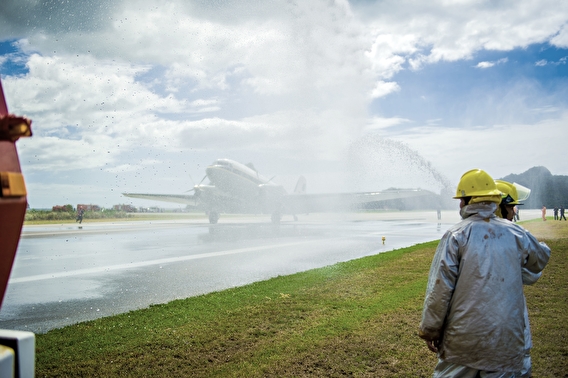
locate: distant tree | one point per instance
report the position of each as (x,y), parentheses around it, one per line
(62,209)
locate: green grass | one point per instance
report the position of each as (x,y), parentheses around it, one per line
(358,318)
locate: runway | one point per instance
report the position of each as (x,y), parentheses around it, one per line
(64,274)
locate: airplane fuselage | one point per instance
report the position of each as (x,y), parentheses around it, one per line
(235,179)
(236,185)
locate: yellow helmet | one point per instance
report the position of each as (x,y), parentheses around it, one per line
(476,183)
(512,194)
(508,191)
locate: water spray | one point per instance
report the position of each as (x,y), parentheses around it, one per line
(388,161)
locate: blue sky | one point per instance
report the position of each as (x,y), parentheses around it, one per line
(360,95)
(453,85)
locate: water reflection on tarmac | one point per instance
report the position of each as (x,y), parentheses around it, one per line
(64,274)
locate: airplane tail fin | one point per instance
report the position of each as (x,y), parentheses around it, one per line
(300,186)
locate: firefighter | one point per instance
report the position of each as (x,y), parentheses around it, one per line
(509,201)
(474,303)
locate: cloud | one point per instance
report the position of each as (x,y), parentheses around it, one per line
(378,123)
(491,64)
(53,154)
(544,62)
(273,53)
(561,38)
(141,84)
(88,113)
(383,88)
(451,31)
(387,56)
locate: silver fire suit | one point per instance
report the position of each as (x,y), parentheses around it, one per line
(529,278)
(474,303)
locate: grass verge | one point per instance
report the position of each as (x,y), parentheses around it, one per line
(351,319)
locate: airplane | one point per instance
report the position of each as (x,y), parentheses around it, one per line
(238,188)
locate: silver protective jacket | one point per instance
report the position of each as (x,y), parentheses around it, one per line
(529,278)
(474,301)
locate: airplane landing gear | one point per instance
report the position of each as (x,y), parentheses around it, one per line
(213,217)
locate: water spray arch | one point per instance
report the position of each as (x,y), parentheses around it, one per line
(375,163)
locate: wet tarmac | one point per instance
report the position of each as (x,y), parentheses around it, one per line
(64,274)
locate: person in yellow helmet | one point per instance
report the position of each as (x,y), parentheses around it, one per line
(473,307)
(511,196)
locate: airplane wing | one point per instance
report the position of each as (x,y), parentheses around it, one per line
(176,198)
(299,203)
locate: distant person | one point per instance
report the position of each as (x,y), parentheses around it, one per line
(439,213)
(543,213)
(79,218)
(473,308)
(555,213)
(562,213)
(517,216)
(507,210)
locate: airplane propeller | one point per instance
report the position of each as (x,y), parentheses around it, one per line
(193,189)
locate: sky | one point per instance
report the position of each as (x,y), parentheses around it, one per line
(361,95)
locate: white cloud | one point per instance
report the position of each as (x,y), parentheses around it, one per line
(64,90)
(544,62)
(388,51)
(383,88)
(378,123)
(52,154)
(274,52)
(451,31)
(485,64)
(491,64)
(561,38)
(79,102)
(546,109)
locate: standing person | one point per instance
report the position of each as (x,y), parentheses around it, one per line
(509,203)
(543,213)
(562,213)
(473,308)
(555,211)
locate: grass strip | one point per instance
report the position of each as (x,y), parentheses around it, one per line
(357,318)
